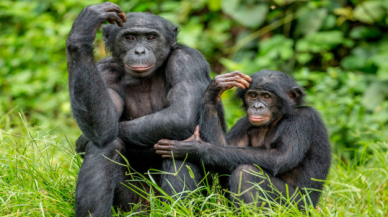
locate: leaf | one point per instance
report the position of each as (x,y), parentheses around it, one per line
(369,11)
(190,172)
(249,15)
(375,95)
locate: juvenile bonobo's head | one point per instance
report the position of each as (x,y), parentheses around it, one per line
(271,95)
(142,44)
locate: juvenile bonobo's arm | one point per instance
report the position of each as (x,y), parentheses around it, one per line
(188,74)
(95,107)
(209,122)
(292,146)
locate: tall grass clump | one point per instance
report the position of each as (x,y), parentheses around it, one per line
(39,173)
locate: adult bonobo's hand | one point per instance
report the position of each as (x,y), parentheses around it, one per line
(224,82)
(179,148)
(92,17)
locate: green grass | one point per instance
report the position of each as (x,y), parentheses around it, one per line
(39,171)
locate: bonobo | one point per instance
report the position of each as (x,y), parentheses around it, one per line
(149,89)
(287,140)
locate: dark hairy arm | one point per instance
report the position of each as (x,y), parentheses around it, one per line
(188,74)
(95,107)
(291,147)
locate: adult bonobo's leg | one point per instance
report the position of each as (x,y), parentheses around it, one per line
(97,110)
(173,184)
(98,178)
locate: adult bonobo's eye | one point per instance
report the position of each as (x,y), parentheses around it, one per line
(130,37)
(266,96)
(252,95)
(151,37)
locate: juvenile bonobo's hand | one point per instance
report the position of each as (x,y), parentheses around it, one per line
(179,148)
(91,18)
(224,82)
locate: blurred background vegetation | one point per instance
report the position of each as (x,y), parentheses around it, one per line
(338,50)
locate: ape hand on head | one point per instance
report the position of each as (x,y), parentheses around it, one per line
(179,149)
(224,82)
(92,17)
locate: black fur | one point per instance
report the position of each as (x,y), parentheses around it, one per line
(129,111)
(293,148)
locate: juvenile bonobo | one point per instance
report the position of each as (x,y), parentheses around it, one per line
(286,140)
(148,90)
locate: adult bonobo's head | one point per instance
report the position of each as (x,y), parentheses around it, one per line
(142,44)
(271,95)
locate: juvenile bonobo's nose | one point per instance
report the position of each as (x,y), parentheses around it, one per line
(140,50)
(258,106)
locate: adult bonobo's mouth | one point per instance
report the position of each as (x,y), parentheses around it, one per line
(139,68)
(258,120)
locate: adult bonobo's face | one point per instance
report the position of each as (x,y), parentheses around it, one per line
(142,44)
(260,106)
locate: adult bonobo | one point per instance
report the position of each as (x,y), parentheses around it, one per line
(148,90)
(286,140)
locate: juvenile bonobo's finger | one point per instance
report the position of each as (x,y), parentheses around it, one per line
(234,84)
(163,147)
(236,78)
(196,134)
(160,152)
(166,156)
(244,76)
(165,142)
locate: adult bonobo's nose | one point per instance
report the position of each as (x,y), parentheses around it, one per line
(258,106)
(140,50)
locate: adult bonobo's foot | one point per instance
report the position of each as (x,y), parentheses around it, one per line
(92,17)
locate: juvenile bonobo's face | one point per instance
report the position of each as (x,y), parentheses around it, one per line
(141,46)
(260,106)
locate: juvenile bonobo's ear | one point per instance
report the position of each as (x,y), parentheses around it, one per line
(297,95)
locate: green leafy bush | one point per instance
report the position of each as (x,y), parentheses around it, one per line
(336,49)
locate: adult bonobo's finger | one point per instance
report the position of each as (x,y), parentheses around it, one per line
(112,16)
(123,17)
(162,147)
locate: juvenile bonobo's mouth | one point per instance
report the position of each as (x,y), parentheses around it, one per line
(140,68)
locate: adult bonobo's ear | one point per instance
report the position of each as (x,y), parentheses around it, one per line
(105,34)
(175,31)
(297,95)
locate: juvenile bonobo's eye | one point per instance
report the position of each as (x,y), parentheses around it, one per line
(151,37)
(130,37)
(266,96)
(252,95)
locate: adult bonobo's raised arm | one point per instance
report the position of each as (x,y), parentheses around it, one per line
(151,88)
(285,139)
(95,107)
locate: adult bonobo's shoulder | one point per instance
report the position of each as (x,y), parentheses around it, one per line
(192,64)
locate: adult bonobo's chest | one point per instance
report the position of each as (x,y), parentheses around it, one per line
(144,96)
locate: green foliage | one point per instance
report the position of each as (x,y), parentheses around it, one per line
(337,50)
